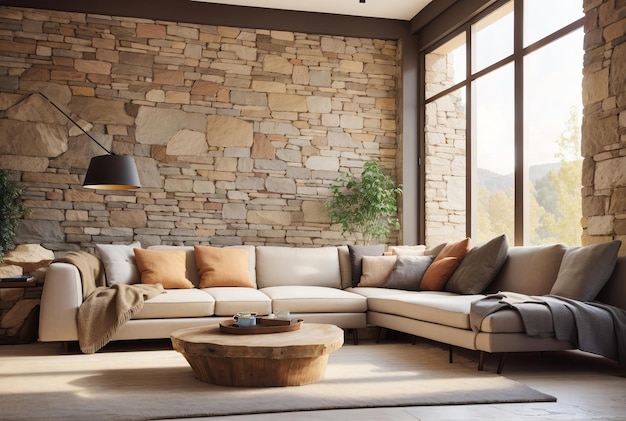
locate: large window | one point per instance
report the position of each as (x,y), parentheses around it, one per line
(502,104)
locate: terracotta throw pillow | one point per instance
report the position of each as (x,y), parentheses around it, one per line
(444,265)
(222,267)
(165,267)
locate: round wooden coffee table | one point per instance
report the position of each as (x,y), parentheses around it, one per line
(260,360)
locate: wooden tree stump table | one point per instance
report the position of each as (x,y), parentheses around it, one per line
(260,360)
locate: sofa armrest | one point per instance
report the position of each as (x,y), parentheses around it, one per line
(61,296)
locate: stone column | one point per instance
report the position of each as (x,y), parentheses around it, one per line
(604,123)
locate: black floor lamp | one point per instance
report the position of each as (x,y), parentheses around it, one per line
(106,172)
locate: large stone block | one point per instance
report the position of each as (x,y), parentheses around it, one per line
(32,139)
(227,131)
(276,218)
(128,218)
(315,212)
(102,111)
(156,126)
(319,104)
(39,231)
(618,201)
(29,257)
(599,133)
(277,64)
(595,86)
(322,163)
(188,142)
(280,185)
(610,173)
(234,211)
(617,77)
(35,109)
(287,102)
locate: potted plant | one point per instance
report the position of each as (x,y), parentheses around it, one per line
(365,204)
(11,210)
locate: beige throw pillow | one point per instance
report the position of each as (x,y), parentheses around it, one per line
(376,270)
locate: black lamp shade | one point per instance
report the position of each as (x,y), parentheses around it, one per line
(112,172)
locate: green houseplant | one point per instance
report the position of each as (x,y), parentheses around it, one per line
(11,210)
(365,204)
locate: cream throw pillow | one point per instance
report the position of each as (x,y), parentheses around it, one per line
(119,263)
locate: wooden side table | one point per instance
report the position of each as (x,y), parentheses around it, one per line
(260,360)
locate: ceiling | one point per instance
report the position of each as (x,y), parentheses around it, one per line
(388,9)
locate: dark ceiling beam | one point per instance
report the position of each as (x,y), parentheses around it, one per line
(227,15)
(434,27)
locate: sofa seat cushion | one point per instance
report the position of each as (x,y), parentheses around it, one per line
(378,292)
(436,307)
(503,321)
(176,303)
(232,300)
(311,299)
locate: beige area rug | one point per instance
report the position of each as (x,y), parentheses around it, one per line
(37,383)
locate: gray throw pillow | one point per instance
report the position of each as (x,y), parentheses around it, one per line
(585,270)
(356,259)
(408,271)
(479,267)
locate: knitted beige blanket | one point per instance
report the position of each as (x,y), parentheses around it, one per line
(107,309)
(104,309)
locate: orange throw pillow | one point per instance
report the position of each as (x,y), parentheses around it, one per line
(165,267)
(222,267)
(444,265)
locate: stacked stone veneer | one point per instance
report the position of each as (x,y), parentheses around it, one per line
(237,133)
(604,122)
(445,159)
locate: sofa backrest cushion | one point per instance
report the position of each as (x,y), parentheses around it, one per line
(530,270)
(278,266)
(345,267)
(585,270)
(614,291)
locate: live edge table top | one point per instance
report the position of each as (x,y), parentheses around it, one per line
(311,340)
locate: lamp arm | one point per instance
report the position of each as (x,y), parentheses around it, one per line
(75,123)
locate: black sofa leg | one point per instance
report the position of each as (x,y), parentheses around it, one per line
(450,354)
(355,336)
(501,363)
(481,360)
(379,333)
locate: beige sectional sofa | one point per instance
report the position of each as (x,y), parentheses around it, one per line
(315,284)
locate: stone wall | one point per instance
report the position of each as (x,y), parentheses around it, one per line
(604,122)
(237,133)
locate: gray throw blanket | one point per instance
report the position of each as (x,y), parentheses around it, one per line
(591,326)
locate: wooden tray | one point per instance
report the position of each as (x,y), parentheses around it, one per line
(229,326)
